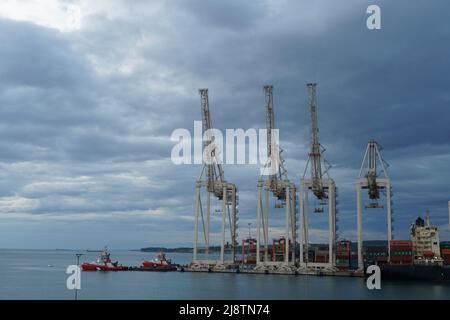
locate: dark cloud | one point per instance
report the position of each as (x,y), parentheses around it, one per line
(86,116)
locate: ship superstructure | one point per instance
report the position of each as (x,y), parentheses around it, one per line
(425,240)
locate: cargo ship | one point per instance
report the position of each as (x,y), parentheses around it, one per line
(423,258)
(103,263)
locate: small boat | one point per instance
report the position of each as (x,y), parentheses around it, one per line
(160,263)
(103,263)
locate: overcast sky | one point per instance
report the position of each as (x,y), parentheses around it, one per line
(90,92)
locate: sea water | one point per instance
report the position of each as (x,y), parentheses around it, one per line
(41,274)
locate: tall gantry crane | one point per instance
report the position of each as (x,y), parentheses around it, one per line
(213,182)
(373,180)
(322,187)
(273,179)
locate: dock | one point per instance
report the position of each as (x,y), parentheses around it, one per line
(319,273)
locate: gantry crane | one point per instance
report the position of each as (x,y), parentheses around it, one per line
(213,182)
(273,179)
(322,187)
(374,180)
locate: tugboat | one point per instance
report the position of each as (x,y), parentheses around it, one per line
(103,263)
(160,263)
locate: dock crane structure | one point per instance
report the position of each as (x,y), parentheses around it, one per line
(377,182)
(212,182)
(323,189)
(274,180)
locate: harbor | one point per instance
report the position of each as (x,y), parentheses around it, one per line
(225,150)
(289,250)
(422,258)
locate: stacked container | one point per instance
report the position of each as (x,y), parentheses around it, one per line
(321,254)
(376,255)
(445,252)
(401,252)
(343,251)
(279,249)
(353,260)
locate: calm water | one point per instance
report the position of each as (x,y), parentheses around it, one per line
(25,274)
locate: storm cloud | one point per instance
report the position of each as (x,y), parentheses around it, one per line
(90,94)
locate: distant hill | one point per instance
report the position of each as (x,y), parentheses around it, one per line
(370,243)
(159,249)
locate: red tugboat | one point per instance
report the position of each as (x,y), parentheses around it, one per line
(103,263)
(160,263)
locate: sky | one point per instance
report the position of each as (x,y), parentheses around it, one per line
(90,93)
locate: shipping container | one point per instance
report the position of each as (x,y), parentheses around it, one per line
(321,259)
(343,246)
(445,256)
(398,258)
(401,247)
(401,261)
(376,249)
(376,254)
(401,253)
(401,243)
(445,245)
(446,260)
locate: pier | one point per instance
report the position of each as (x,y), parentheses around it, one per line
(281,271)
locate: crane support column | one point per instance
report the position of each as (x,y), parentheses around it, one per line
(331,222)
(288,213)
(197,205)
(302,229)
(389,217)
(266,226)
(258,224)
(208,217)
(359,226)
(222,242)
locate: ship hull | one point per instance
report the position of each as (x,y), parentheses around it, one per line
(153,266)
(100,267)
(416,273)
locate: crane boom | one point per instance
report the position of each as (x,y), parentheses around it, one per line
(270,118)
(277,188)
(315,154)
(214,170)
